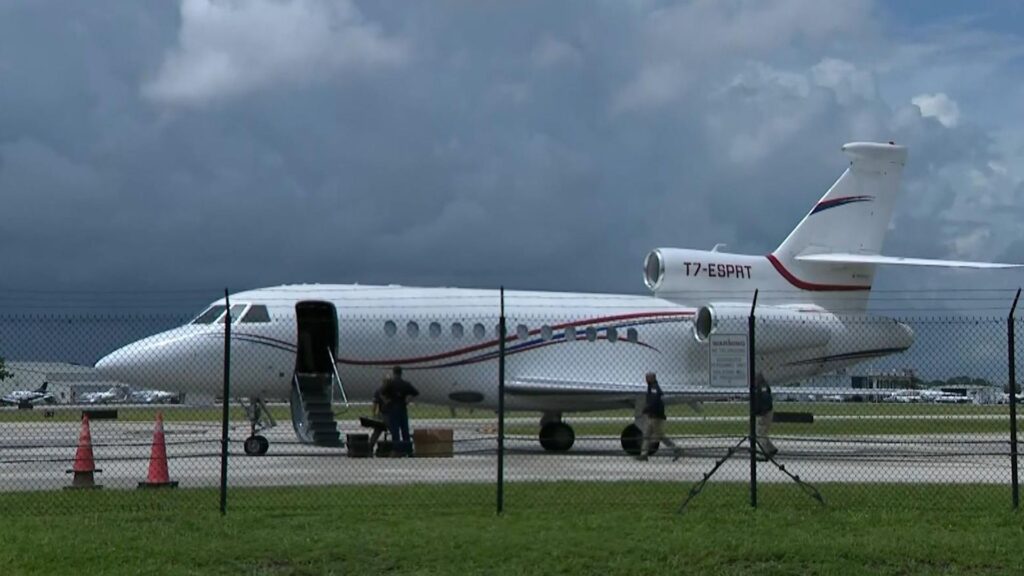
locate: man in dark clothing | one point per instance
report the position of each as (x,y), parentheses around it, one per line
(380,412)
(654,411)
(396,393)
(764,408)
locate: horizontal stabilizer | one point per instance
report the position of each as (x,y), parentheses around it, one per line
(896,260)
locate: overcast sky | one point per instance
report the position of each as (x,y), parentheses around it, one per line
(542,145)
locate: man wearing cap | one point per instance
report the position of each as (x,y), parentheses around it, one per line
(654,428)
(396,394)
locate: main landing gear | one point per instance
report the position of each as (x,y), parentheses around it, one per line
(259,419)
(555,435)
(632,439)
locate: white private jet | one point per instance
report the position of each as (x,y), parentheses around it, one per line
(112,395)
(565,351)
(29,397)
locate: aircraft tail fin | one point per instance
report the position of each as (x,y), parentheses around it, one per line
(42,389)
(838,244)
(853,216)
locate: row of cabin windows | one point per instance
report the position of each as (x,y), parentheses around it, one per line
(522,332)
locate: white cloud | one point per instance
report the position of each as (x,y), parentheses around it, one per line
(848,82)
(698,37)
(551,52)
(230,47)
(938,106)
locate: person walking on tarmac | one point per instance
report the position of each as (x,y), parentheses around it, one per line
(396,393)
(654,427)
(765,410)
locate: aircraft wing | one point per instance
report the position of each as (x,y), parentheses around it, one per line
(896,260)
(531,386)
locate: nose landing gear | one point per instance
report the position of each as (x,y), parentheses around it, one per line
(256,445)
(259,419)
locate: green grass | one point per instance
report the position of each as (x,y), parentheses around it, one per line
(615,528)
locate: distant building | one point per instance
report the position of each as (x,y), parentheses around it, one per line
(895,380)
(67,381)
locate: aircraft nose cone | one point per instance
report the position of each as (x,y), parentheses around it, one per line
(115,366)
(131,365)
(173,360)
(906,335)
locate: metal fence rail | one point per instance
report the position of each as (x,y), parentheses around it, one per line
(511,398)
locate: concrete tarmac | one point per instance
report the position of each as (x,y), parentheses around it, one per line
(36,455)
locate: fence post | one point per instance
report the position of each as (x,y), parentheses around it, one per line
(1012,385)
(751,370)
(501,405)
(224,412)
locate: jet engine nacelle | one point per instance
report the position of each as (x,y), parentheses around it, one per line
(778,329)
(679,270)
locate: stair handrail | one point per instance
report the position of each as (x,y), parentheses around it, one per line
(341,387)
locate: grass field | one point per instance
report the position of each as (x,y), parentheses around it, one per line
(546,529)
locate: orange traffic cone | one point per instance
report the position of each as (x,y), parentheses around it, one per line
(84,466)
(158,474)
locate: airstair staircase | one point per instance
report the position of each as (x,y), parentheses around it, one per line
(315,393)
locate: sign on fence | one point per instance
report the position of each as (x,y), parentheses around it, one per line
(728,361)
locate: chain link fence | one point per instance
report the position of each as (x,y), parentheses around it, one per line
(900,405)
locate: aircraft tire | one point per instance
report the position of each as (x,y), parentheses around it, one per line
(256,445)
(632,439)
(557,437)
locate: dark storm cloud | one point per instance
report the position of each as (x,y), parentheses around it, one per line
(534,145)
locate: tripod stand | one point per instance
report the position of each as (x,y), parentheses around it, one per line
(807,488)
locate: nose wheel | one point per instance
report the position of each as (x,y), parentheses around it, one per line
(259,419)
(256,445)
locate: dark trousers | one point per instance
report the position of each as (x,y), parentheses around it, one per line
(398,425)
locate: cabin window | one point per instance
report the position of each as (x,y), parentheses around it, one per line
(522,332)
(570,333)
(613,335)
(479,331)
(631,335)
(211,314)
(545,332)
(412,329)
(390,328)
(257,314)
(457,330)
(236,313)
(434,329)
(591,334)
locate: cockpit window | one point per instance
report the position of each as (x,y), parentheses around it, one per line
(236,313)
(211,314)
(257,313)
